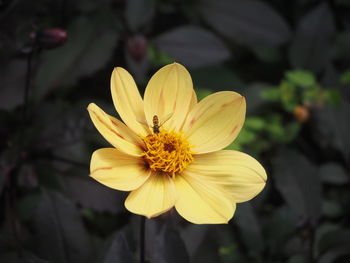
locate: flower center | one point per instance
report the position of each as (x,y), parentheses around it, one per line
(168,152)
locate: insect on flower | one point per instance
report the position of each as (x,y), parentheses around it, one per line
(155,121)
(156,124)
(174,156)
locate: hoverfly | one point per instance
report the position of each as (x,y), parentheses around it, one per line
(156,123)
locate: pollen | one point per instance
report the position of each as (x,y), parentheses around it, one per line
(167,152)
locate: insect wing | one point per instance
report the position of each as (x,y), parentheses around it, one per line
(166,118)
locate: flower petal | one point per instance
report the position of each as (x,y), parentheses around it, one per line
(200,202)
(127,101)
(118,170)
(215,121)
(169,92)
(156,196)
(239,174)
(193,100)
(115,132)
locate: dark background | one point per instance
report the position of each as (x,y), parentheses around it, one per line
(289,58)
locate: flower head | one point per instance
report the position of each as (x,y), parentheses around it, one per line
(168,149)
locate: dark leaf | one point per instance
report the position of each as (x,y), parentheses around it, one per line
(246,22)
(194,236)
(91,41)
(138,13)
(208,250)
(12,84)
(333,239)
(279,226)
(62,237)
(333,173)
(91,194)
(225,79)
(8,257)
(169,247)
(298,182)
(66,131)
(31,260)
(342,45)
(312,47)
(119,251)
(331,209)
(250,230)
(201,243)
(299,258)
(330,129)
(333,245)
(192,46)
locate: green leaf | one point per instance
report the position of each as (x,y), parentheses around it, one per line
(291,131)
(311,94)
(345,77)
(255,123)
(202,93)
(333,97)
(288,96)
(275,128)
(302,78)
(158,57)
(272,94)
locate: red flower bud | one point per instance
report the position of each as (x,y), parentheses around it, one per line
(137,47)
(51,37)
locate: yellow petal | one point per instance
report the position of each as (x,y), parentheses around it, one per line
(156,196)
(127,100)
(200,202)
(169,92)
(239,174)
(118,170)
(215,121)
(193,101)
(115,132)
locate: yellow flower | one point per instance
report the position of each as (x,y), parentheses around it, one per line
(168,152)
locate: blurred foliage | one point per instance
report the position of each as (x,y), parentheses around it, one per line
(290,59)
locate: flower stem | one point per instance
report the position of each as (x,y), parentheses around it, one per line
(27,86)
(142,239)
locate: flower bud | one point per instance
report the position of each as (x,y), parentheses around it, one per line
(302,113)
(51,37)
(137,47)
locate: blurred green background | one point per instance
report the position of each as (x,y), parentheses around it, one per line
(290,59)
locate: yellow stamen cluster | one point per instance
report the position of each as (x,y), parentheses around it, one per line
(167,152)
